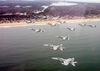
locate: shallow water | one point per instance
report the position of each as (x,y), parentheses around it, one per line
(22,49)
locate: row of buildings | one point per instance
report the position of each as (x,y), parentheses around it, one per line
(33,19)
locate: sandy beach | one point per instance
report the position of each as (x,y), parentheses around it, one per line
(43,22)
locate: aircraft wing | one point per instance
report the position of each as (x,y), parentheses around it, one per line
(73,63)
(46,44)
(66,63)
(57,58)
(61,37)
(61,59)
(33,29)
(49,45)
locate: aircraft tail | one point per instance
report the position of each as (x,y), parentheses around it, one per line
(73,63)
(62,48)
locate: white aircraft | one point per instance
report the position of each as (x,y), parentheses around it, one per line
(82,25)
(72,29)
(93,26)
(55,47)
(54,24)
(29,21)
(65,61)
(37,30)
(57,24)
(62,22)
(64,37)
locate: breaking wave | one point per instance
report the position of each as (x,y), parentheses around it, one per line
(21,25)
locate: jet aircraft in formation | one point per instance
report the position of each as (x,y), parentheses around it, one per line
(93,26)
(37,30)
(54,24)
(71,29)
(55,47)
(64,37)
(65,61)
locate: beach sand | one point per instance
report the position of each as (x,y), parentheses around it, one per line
(44,22)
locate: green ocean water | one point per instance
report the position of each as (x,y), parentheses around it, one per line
(22,49)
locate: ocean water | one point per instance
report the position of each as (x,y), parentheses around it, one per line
(22,49)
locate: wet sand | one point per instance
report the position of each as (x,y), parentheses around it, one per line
(43,22)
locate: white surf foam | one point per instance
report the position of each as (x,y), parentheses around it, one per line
(82,21)
(21,25)
(43,24)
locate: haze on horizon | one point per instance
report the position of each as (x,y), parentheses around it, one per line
(90,1)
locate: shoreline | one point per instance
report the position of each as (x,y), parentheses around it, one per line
(43,22)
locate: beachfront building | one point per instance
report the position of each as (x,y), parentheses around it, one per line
(21,13)
(17,6)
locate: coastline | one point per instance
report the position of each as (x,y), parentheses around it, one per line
(43,22)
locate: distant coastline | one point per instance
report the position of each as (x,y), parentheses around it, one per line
(45,22)
(37,12)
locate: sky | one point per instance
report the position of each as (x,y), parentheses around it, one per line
(91,1)
(63,4)
(84,0)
